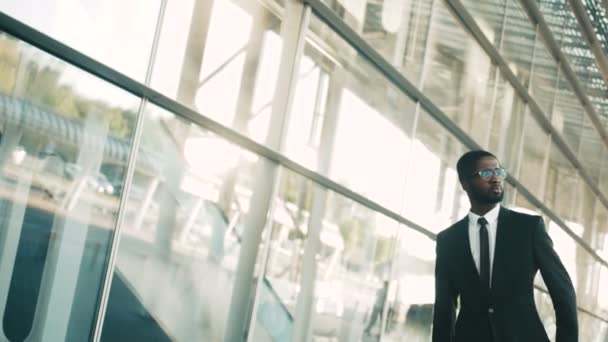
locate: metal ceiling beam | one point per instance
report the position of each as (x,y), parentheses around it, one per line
(536,16)
(469,22)
(393,75)
(589,33)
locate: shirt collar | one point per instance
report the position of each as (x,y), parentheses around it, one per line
(491,216)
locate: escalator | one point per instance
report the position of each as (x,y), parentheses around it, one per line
(152,297)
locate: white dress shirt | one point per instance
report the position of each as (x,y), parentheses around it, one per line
(492,218)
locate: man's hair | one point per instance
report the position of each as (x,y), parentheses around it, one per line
(467,164)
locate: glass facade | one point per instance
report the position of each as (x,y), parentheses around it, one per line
(277,170)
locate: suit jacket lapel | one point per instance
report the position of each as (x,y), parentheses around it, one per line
(470,268)
(500,246)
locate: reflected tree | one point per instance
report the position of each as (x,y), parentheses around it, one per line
(21,75)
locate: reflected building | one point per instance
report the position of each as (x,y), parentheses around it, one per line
(277,170)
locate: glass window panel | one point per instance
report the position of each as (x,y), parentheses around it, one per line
(544,78)
(489,16)
(586,286)
(592,328)
(603,173)
(225,69)
(459,75)
(115,32)
(292,218)
(561,182)
(350,295)
(584,209)
(510,194)
(600,241)
(349,122)
(507,126)
(352,257)
(535,145)
(396,29)
(518,43)
(568,115)
(183,225)
(566,30)
(592,150)
(522,204)
(602,296)
(65,138)
(545,310)
(555,13)
(583,271)
(587,279)
(573,257)
(434,198)
(412,295)
(595,86)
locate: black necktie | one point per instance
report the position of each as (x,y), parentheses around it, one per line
(484,254)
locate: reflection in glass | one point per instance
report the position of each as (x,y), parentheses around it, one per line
(568,115)
(460,76)
(489,16)
(507,126)
(535,145)
(434,198)
(591,328)
(566,31)
(64,143)
(592,151)
(351,284)
(584,270)
(411,297)
(283,278)
(561,182)
(352,253)
(396,29)
(544,78)
(517,46)
(182,228)
(114,32)
(348,121)
(225,69)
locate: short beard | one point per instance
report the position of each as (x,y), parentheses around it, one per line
(486,199)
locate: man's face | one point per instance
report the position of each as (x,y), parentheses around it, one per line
(484,191)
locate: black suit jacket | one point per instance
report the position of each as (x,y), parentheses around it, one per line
(508,313)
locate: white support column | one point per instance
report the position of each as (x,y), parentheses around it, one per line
(62,266)
(9,238)
(293,30)
(305,302)
(145,204)
(191,220)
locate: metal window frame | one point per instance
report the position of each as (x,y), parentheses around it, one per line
(130,171)
(535,15)
(542,119)
(72,56)
(357,42)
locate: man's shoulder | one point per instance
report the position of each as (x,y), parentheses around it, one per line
(452,230)
(520,216)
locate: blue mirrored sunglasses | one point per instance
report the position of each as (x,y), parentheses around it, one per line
(487,174)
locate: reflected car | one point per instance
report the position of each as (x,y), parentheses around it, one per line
(96,181)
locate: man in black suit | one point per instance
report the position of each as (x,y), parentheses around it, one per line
(489,260)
